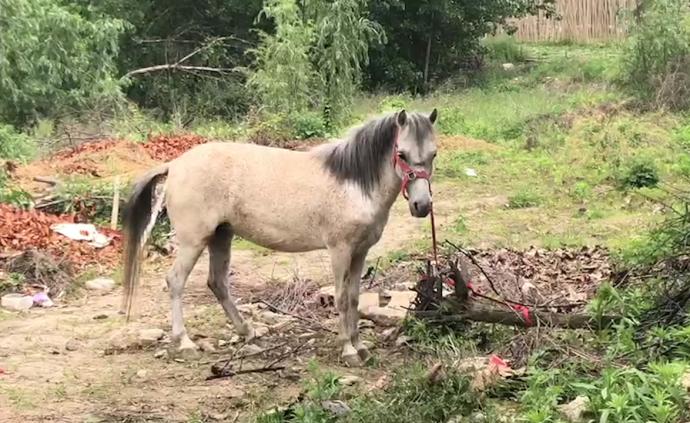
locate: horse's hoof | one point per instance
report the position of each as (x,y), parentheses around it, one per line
(352,360)
(188,350)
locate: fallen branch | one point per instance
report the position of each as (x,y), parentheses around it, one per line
(231,373)
(484,314)
(296,316)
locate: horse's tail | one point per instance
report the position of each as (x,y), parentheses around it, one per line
(140,213)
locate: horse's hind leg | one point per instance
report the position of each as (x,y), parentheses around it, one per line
(176,279)
(219,264)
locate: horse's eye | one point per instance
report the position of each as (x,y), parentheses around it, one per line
(402,156)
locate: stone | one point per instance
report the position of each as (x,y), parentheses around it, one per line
(365,324)
(141,374)
(389,333)
(326,296)
(251,349)
(477,417)
(17,302)
(206,345)
(73,345)
(272,318)
(384,316)
(260,331)
(685,381)
(402,340)
(101,316)
(350,380)
(162,354)
(508,66)
(100,284)
(336,407)
(150,336)
(575,410)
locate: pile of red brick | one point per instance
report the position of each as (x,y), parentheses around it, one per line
(23,230)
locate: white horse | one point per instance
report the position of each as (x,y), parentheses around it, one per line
(336,196)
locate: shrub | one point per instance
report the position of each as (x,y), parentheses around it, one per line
(658,54)
(524,199)
(308,125)
(15,145)
(640,173)
(504,49)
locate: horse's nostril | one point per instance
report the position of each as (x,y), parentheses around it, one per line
(416,206)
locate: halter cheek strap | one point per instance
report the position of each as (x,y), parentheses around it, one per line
(409,174)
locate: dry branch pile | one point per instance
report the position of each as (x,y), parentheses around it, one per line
(540,277)
(31,230)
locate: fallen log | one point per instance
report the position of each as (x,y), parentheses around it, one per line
(480,313)
(464,305)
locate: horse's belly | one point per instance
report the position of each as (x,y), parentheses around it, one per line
(296,237)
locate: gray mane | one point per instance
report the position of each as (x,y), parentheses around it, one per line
(362,155)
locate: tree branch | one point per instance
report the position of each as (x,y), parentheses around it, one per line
(177,66)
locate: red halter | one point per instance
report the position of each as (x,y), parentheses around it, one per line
(409,174)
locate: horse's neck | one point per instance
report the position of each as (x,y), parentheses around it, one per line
(388,190)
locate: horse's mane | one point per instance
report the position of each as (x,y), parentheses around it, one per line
(361,155)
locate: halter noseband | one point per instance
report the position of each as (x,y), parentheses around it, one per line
(409,174)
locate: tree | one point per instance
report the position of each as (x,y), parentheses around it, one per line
(342,48)
(284,78)
(53,57)
(433,39)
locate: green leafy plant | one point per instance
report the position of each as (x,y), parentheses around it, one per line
(640,173)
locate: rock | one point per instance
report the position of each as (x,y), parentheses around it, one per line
(17,302)
(402,340)
(326,296)
(336,407)
(235,339)
(350,380)
(368,344)
(141,374)
(685,381)
(206,345)
(389,333)
(575,410)
(260,331)
(384,316)
(100,316)
(508,66)
(477,417)
(162,354)
(150,336)
(251,349)
(272,318)
(73,345)
(100,284)
(365,324)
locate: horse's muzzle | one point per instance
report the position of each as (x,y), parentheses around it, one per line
(420,208)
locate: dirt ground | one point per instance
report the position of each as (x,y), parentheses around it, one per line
(64,364)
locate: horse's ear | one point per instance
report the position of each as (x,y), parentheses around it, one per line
(433,116)
(402,117)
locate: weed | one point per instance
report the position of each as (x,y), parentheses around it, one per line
(15,145)
(523,199)
(640,173)
(504,49)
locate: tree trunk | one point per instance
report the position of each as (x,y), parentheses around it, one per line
(426,64)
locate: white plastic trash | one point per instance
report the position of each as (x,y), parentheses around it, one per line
(470,172)
(82,232)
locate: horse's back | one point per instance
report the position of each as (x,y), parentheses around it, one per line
(272,196)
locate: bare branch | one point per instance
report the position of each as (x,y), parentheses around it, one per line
(176,66)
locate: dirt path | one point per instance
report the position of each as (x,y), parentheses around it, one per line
(58,366)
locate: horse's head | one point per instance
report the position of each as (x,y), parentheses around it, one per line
(415,154)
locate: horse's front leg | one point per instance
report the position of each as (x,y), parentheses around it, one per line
(341,261)
(356,267)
